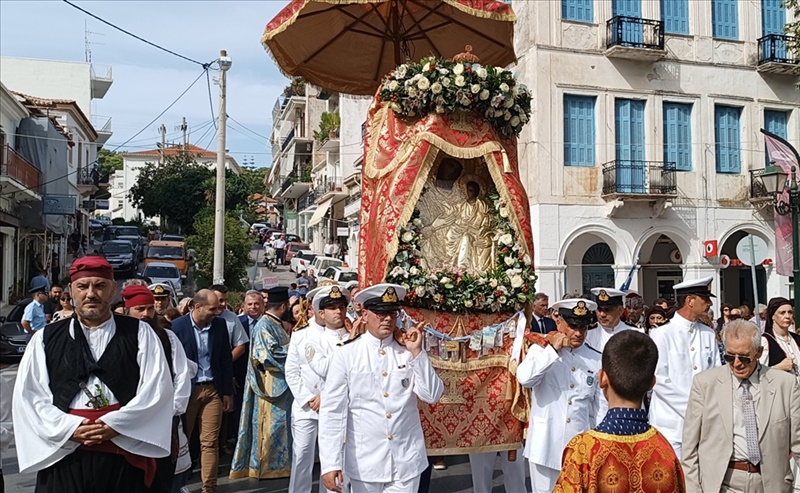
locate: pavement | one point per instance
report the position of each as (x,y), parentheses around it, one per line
(455,479)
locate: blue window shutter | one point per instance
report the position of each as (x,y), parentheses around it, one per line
(773,17)
(675,14)
(628,8)
(725,18)
(728,139)
(775,122)
(577,10)
(629,140)
(678,135)
(579,130)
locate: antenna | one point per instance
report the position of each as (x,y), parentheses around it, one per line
(87,42)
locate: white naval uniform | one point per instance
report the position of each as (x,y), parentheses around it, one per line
(482,468)
(597,338)
(565,399)
(304,384)
(684,350)
(369,419)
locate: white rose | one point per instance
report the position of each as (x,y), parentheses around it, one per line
(516,281)
(493,283)
(413,270)
(503,212)
(482,73)
(460,81)
(514,121)
(419,291)
(506,116)
(467,303)
(484,94)
(446,82)
(393,85)
(507,239)
(412,92)
(445,280)
(424,83)
(427,67)
(526,259)
(504,87)
(436,88)
(400,72)
(417,222)
(407,237)
(502,299)
(476,88)
(458,69)
(443,71)
(509,261)
(465,101)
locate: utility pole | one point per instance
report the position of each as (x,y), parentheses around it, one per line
(219,210)
(183,129)
(163,131)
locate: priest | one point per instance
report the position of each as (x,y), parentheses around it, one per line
(92,404)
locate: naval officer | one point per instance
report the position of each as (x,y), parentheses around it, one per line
(369,421)
(686,347)
(609,317)
(565,397)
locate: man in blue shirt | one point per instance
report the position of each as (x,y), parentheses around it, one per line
(33,318)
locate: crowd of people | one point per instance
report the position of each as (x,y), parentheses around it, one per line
(624,397)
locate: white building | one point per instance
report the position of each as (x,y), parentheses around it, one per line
(123,180)
(645,135)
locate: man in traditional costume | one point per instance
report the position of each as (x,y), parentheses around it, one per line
(624,453)
(562,373)
(93,398)
(369,427)
(310,352)
(686,347)
(263,449)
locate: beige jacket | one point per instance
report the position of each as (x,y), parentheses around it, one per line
(708,429)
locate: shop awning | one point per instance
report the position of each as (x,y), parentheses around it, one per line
(320,213)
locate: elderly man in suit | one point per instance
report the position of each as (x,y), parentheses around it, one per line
(742,421)
(204,337)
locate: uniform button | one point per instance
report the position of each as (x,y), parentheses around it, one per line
(694,367)
(569,402)
(573,368)
(315,386)
(388,415)
(568,420)
(385,374)
(386,394)
(389,437)
(691,349)
(382,352)
(572,385)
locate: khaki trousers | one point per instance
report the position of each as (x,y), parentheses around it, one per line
(205,407)
(736,481)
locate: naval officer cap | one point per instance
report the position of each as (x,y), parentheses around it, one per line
(313,292)
(578,312)
(699,287)
(329,296)
(607,297)
(160,290)
(381,297)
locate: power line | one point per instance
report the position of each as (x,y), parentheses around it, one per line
(210,99)
(204,65)
(244,127)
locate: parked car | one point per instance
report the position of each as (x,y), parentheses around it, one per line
(302,261)
(257,227)
(13,337)
(136,243)
(173,252)
(172,237)
(121,255)
(341,275)
(95,225)
(165,273)
(321,263)
(292,248)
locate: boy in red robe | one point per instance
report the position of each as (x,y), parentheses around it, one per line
(624,453)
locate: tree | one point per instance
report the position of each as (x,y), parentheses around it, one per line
(176,190)
(793,30)
(237,250)
(108,163)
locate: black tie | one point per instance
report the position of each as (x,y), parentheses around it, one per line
(541,322)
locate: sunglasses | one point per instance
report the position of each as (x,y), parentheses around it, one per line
(730,358)
(66,298)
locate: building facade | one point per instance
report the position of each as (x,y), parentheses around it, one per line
(644,139)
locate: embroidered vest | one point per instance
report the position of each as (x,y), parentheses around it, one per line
(775,351)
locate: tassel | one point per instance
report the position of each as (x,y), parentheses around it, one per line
(506,163)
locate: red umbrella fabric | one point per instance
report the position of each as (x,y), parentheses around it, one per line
(349,45)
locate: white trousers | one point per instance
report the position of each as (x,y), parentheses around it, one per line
(543,479)
(409,486)
(482,466)
(304,443)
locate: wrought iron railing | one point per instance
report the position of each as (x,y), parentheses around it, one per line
(90,176)
(776,48)
(329,185)
(634,32)
(287,140)
(14,165)
(757,189)
(639,178)
(307,200)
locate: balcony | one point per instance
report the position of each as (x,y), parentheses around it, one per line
(103,126)
(330,143)
(17,174)
(287,107)
(352,205)
(294,186)
(307,201)
(758,192)
(775,55)
(639,180)
(329,188)
(101,81)
(635,38)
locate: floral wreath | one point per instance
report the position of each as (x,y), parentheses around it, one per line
(444,86)
(507,288)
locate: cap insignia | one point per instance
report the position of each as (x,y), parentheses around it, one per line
(580,309)
(603,295)
(159,290)
(389,296)
(335,294)
(709,286)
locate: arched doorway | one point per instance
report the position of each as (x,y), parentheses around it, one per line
(736,282)
(596,267)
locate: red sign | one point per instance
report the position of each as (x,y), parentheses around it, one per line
(711,248)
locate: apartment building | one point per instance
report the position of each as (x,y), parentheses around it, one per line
(644,139)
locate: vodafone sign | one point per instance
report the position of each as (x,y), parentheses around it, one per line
(711,248)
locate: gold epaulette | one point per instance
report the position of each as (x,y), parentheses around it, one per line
(349,340)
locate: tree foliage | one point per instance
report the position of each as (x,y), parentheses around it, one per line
(237,250)
(108,163)
(793,30)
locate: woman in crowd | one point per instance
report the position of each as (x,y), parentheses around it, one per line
(654,317)
(67,310)
(781,346)
(724,318)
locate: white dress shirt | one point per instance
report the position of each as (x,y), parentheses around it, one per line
(599,336)
(739,427)
(369,420)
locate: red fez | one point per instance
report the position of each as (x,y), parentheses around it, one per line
(137,295)
(91,266)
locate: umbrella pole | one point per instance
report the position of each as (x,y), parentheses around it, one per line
(395,19)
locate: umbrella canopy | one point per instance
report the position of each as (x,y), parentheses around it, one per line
(349,45)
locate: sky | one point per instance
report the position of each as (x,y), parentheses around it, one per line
(147,80)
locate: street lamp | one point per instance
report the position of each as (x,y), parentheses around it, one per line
(219,210)
(775,181)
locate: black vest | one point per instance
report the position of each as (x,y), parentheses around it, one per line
(775,351)
(70,361)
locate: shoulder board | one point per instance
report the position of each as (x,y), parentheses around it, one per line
(296,329)
(593,349)
(349,341)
